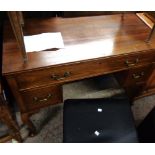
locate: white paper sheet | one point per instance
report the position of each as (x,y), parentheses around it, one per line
(43,41)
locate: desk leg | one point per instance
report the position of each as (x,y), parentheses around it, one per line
(24,116)
(122,16)
(7,118)
(26,120)
(15,131)
(150,34)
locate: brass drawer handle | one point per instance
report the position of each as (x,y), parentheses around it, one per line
(129,64)
(36,99)
(57,77)
(137,76)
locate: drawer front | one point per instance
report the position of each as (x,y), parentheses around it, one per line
(80,70)
(38,98)
(134,76)
(138,75)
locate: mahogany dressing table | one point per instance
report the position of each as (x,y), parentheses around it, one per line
(94,46)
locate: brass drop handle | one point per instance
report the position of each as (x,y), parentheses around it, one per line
(137,76)
(129,64)
(57,77)
(36,99)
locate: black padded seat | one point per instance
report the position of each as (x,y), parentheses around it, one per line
(98,120)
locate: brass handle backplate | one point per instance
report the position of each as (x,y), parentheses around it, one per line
(39,100)
(58,77)
(129,64)
(137,76)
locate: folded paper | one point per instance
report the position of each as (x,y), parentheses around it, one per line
(43,41)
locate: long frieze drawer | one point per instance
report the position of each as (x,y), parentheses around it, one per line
(38,98)
(79,70)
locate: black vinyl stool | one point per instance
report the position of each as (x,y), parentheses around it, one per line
(98,120)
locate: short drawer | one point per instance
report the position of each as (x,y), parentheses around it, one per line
(134,76)
(84,69)
(139,75)
(38,98)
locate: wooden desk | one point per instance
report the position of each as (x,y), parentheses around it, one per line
(93,46)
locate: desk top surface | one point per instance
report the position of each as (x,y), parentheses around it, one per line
(85,38)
